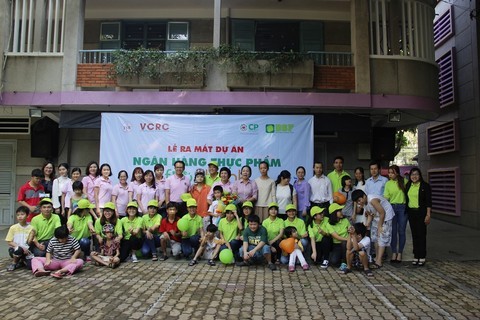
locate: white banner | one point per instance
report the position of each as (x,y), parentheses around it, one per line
(143,140)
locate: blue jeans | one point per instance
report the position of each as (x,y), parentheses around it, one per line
(85,246)
(285,259)
(190,245)
(259,255)
(399,226)
(150,246)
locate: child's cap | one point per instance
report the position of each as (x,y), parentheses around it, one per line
(85,204)
(185,196)
(108,227)
(247,204)
(316,210)
(132,204)
(152,203)
(290,206)
(191,203)
(109,205)
(199,172)
(273,204)
(46,201)
(334,207)
(231,207)
(213,163)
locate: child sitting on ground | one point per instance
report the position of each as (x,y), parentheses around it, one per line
(62,255)
(17,240)
(209,247)
(109,254)
(291,232)
(358,246)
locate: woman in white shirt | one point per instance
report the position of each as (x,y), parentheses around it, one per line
(285,193)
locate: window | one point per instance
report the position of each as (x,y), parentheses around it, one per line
(177,31)
(150,35)
(445,184)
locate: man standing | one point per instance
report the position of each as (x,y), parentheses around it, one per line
(376,183)
(213,175)
(337,174)
(321,186)
(175,186)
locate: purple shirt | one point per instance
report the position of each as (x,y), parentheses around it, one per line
(245,189)
(177,187)
(121,192)
(105,188)
(303,194)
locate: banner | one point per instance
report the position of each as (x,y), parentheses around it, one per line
(144,140)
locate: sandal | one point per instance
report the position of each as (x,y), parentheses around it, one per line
(11,267)
(346,271)
(163,258)
(376,266)
(154,257)
(421,262)
(41,273)
(192,262)
(415,262)
(368,272)
(57,275)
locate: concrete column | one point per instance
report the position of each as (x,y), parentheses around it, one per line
(73,42)
(360,44)
(5,29)
(40,28)
(216,22)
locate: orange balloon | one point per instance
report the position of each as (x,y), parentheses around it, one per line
(288,245)
(339,198)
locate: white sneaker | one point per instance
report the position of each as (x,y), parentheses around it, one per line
(324,264)
(134,258)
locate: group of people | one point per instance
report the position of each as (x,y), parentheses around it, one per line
(330,220)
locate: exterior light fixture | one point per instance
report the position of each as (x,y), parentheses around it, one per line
(394,116)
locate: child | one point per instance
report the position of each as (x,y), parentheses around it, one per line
(275,228)
(338,229)
(358,246)
(216,208)
(17,237)
(346,190)
(247,210)
(320,240)
(62,255)
(255,244)
(229,228)
(170,235)
(151,224)
(31,192)
(78,195)
(191,237)
(132,233)
(291,232)
(209,247)
(109,249)
(80,226)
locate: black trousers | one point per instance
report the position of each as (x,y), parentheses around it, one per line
(416,219)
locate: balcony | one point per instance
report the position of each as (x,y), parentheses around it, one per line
(207,71)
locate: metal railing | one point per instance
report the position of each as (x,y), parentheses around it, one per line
(332,58)
(320,57)
(95,56)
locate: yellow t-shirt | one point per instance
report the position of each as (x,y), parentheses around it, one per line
(413,196)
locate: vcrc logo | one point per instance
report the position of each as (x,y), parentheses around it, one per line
(127,127)
(157,126)
(279,128)
(249,127)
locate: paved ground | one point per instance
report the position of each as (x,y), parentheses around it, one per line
(443,289)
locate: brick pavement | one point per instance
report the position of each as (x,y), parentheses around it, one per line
(173,290)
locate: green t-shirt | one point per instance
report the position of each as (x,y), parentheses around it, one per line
(254,238)
(229,229)
(128,224)
(299,224)
(314,230)
(413,196)
(149,222)
(336,179)
(194,224)
(45,228)
(341,228)
(80,226)
(209,181)
(99,227)
(273,227)
(393,193)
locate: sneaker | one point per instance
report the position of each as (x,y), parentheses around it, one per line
(154,257)
(305,267)
(241,264)
(324,264)
(291,268)
(211,262)
(134,258)
(192,262)
(343,266)
(11,267)
(272,266)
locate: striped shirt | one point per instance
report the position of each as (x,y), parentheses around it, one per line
(63,251)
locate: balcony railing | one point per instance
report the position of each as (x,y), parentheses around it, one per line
(321,58)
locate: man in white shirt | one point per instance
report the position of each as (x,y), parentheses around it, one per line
(376,183)
(321,186)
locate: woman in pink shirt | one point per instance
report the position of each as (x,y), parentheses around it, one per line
(136,181)
(245,188)
(224,182)
(146,191)
(89,181)
(121,194)
(103,188)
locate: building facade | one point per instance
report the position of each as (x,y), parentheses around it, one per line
(368,67)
